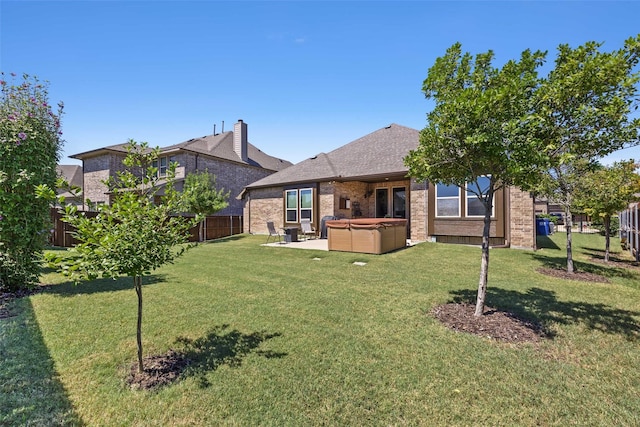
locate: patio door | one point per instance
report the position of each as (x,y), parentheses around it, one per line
(382,202)
(391,207)
(399,202)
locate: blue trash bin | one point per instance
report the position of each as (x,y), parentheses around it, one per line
(542,226)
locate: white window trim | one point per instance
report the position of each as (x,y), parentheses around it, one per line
(300,208)
(287,208)
(449,198)
(474,197)
(158,165)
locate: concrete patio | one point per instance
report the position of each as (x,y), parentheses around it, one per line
(315,244)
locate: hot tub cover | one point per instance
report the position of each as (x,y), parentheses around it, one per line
(366,223)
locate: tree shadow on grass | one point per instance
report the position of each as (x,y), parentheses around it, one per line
(222,346)
(616,259)
(543,306)
(233,238)
(30,389)
(69,288)
(545,242)
(560,263)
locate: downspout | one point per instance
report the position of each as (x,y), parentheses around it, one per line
(249,210)
(637,231)
(426,209)
(84,199)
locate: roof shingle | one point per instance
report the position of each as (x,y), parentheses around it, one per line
(380,153)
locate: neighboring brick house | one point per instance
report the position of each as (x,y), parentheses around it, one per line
(368,178)
(72,174)
(228,155)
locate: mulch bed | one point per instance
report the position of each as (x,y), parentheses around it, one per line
(159,370)
(495,324)
(578,275)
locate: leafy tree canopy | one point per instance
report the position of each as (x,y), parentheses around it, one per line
(583,112)
(201,197)
(474,132)
(474,129)
(607,190)
(134,234)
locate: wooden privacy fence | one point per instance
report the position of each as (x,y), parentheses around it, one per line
(630,230)
(216,227)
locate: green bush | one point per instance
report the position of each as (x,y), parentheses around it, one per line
(29,149)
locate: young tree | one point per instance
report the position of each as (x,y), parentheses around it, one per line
(30,144)
(607,191)
(201,197)
(473,138)
(583,113)
(132,236)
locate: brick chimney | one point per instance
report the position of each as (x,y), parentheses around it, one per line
(240,140)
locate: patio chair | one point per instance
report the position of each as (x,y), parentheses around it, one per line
(307,230)
(273,232)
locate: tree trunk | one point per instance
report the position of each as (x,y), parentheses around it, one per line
(607,236)
(568,224)
(484,265)
(201,231)
(137,282)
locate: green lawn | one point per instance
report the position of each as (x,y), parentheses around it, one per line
(279,338)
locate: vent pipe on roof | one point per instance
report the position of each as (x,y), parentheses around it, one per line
(214,129)
(240,140)
(223,126)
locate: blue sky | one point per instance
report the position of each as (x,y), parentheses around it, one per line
(307,77)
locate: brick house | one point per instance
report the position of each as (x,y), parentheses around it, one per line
(228,155)
(368,178)
(72,174)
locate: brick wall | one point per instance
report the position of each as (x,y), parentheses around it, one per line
(327,199)
(354,192)
(231,176)
(522,219)
(262,205)
(419,210)
(96,170)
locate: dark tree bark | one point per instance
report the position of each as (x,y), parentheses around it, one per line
(137,283)
(607,237)
(568,224)
(484,264)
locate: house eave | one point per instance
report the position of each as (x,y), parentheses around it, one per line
(392,176)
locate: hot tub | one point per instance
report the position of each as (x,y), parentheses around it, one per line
(367,235)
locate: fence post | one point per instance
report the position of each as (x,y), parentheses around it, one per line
(637,233)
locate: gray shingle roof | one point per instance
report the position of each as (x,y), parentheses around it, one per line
(71,173)
(220,146)
(377,154)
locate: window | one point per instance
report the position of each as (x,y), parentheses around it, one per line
(306,203)
(299,205)
(292,205)
(447,200)
(399,203)
(162,164)
(382,203)
(474,205)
